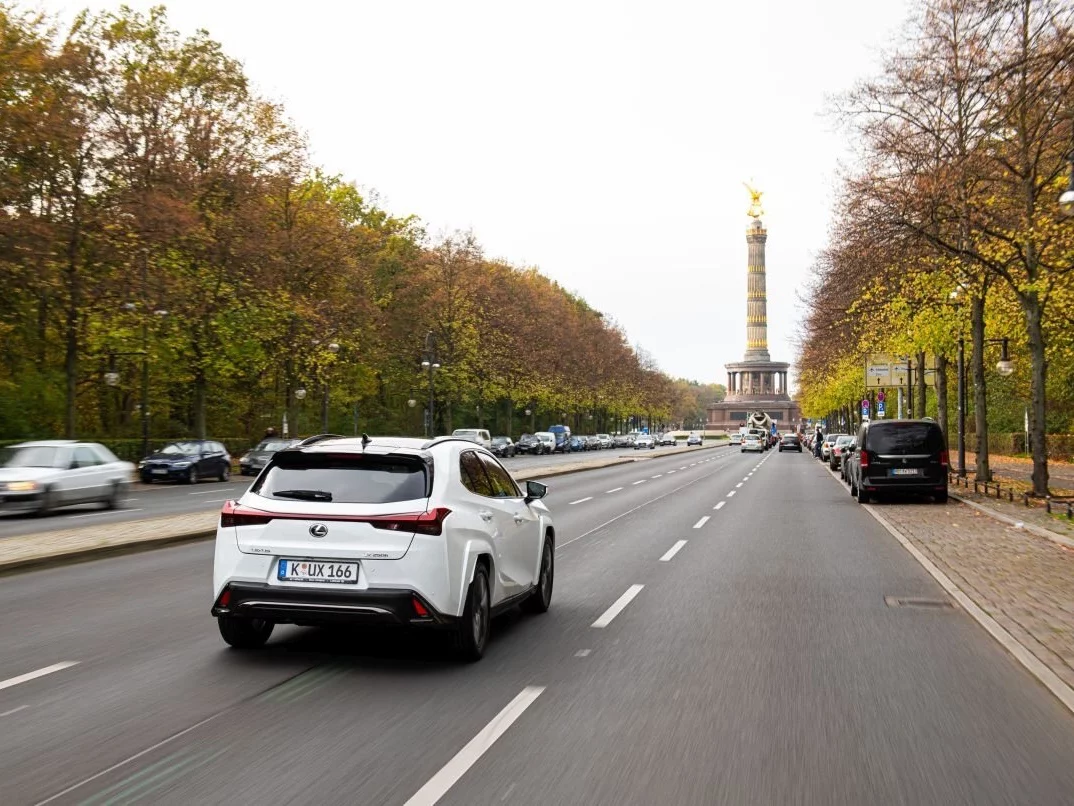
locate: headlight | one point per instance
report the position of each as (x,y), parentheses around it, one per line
(245,458)
(141,464)
(22,486)
(181,464)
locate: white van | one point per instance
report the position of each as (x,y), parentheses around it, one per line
(547,442)
(478,435)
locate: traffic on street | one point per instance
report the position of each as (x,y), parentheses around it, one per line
(696,650)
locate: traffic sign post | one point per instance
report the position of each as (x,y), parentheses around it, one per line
(864,408)
(880,408)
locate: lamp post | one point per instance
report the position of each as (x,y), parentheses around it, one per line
(529,413)
(300,394)
(333,350)
(431,363)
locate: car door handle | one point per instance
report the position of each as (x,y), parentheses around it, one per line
(485,515)
(519,518)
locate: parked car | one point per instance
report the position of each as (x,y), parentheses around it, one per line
(402,532)
(826,446)
(40,476)
(478,435)
(899,456)
(752,442)
(503,447)
(576,444)
(563,438)
(667,438)
(253,461)
(594,443)
(644,441)
(527,443)
(844,457)
(694,439)
(790,442)
(837,449)
(189,460)
(624,441)
(546,442)
(605,440)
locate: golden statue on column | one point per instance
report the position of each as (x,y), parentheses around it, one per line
(755,210)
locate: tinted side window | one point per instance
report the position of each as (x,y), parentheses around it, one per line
(905,438)
(473,473)
(503,485)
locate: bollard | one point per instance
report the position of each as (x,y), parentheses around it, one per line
(1070,512)
(1048,505)
(1025,499)
(1010,496)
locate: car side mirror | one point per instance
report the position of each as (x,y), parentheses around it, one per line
(535,490)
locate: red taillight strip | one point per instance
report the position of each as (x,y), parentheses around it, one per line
(428,523)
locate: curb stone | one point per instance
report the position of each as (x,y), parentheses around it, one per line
(1047,534)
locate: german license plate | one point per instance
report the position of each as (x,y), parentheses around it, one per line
(905,471)
(317,571)
(160,471)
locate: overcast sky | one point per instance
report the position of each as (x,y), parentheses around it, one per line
(604,142)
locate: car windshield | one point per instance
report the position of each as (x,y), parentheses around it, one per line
(499,440)
(30,456)
(272,445)
(899,439)
(343,478)
(181,448)
(844,441)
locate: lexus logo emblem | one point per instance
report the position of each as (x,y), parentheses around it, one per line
(318,530)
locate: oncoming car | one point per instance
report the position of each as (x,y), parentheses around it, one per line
(694,439)
(389,531)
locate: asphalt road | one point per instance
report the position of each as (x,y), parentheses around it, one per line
(756,663)
(155,500)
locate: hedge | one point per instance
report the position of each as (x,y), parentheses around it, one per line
(1060,446)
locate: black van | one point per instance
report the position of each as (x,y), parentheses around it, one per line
(899,456)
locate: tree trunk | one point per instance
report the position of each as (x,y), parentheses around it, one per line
(199,403)
(1038,444)
(70,361)
(941,398)
(922,386)
(982,471)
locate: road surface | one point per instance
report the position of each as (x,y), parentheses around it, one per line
(718,634)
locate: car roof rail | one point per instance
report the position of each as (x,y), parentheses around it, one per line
(449,438)
(318,438)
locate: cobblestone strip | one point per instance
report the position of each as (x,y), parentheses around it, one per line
(1024,582)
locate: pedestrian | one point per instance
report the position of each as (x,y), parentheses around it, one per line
(818,440)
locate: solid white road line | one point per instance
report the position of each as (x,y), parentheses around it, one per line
(720,505)
(613,490)
(207,492)
(22,678)
(701,522)
(450,773)
(671,552)
(580,501)
(640,481)
(618,607)
(730,493)
(14,710)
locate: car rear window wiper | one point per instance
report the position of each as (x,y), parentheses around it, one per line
(304,495)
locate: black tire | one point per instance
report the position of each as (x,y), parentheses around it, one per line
(191,475)
(112,501)
(862,496)
(146,479)
(244,633)
(225,473)
(472,631)
(48,502)
(940,498)
(541,598)
(781,449)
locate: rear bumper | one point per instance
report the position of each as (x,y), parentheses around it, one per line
(310,607)
(893,484)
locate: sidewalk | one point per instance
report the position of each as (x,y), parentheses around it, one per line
(63,545)
(1022,580)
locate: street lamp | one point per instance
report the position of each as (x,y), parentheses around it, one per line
(111,378)
(1004,366)
(333,349)
(431,363)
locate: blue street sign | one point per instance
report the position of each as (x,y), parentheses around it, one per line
(880,408)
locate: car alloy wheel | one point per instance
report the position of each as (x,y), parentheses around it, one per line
(541,598)
(225,474)
(192,475)
(473,629)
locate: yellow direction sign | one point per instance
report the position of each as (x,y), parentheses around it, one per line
(885,369)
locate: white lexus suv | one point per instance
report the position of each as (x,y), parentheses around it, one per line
(382,531)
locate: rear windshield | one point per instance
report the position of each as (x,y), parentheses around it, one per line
(904,438)
(343,478)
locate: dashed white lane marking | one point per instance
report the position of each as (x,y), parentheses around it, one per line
(671,552)
(739,484)
(701,522)
(582,653)
(617,608)
(683,467)
(450,773)
(658,475)
(613,490)
(207,492)
(212,500)
(670,472)
(747,478)
(98,514)
(720,505)
(730,493)
(639,481)
(580,501)
(14,710)
(23,678)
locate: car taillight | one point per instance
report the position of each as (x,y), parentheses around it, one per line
(945,458)
(234,514)
(864,460)
(423,523)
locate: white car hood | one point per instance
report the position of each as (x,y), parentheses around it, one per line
(27,473)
